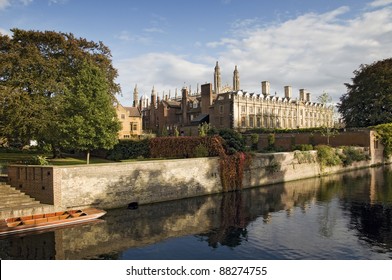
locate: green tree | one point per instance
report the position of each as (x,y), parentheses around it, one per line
(90,120)
(233,140)
(368,100)
(35,68)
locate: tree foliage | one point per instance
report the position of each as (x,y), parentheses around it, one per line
(368,100)
(41,74)
(90,120)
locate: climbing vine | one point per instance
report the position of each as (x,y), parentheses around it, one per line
(384,132)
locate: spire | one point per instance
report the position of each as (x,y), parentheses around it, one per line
(153,97)
(236,79)
(217,79)
(135,97)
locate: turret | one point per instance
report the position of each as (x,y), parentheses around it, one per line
(236,79)
(217,79)
(135,97)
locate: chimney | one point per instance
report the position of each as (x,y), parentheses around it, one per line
(184,104)
(302,94)
(287,91)
(308,96)
(206,98)
(265,88)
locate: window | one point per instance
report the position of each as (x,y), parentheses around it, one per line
(251,110)
(133,126)
(221,109)
(251,121)
(258,110)
(243,122)
(243,109)
(126,136)
(258,122)
(123,116)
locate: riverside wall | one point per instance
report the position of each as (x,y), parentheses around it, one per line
(118,184)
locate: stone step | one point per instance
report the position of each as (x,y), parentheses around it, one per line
(18,201)
(27,210)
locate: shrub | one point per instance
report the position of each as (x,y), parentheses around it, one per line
(254,139)
(327,156)
(233,141)
(384,132)
(128,149)
(271,140)
(351,154)
(303,157)
(303,147)
(36,160)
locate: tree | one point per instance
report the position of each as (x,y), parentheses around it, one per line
(368,100)
(35,72)
(90,120)
(326,130)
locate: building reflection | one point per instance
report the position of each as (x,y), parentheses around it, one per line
(219,220)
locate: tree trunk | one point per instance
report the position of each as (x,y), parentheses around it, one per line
(88,157)
(55,151)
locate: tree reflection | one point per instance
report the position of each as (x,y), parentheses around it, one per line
(233,221)
(373,222)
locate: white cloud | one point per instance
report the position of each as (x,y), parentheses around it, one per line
(4,4)
(314,51)
(165,71)
(380,3)
(57,2)
(318,52)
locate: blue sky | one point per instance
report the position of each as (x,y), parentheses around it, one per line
(311,44)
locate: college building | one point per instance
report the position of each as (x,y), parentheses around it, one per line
(231,107)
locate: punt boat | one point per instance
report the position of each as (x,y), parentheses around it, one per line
(40,222)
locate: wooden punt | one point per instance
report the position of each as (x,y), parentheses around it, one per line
(50,220)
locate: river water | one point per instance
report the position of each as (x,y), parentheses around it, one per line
(346,216)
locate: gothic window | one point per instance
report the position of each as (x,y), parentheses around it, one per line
(221,109)
(258,110)
(243,122)
(251,121)
(243,109)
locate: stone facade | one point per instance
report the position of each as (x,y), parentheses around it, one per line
(231,107)
(131,121)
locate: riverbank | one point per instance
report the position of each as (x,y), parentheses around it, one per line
(118,184)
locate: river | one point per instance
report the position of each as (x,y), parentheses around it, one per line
(337,217)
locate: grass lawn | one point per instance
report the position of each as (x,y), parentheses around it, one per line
(13,158)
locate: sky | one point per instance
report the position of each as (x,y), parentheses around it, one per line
(307,44)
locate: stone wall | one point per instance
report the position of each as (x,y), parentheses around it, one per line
(118,184)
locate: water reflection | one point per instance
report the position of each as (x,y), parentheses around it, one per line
(336,217)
